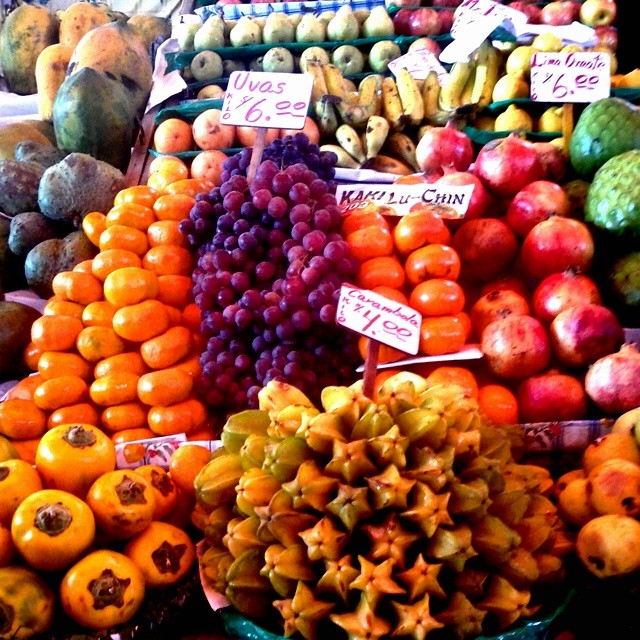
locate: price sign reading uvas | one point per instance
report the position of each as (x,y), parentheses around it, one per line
(377,317)
(262,99)
(581,76)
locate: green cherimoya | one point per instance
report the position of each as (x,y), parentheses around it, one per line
(606,128)
(613,198)
(625,279)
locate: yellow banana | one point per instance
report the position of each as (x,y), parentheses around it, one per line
(370,92)
(412,105)
(433,114)
(392,105)
(319,86)
(327,116)
(349,140)
(467,90)
(487,74)
(345,160)
(387,164)
(452,87)
(335,81)
(401,146)
(375,135)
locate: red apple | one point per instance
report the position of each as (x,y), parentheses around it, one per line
(447,17)
(607,35)
(425,42)
(598,12)
(424,22)
(537,201)
(401,22)
(560,12)
(532,11)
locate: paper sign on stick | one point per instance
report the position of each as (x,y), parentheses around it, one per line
(397,199)
(419,63)
(582,76)
(379,318)
(263,99)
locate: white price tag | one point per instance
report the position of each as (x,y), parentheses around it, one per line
(398,199)
(379,318)
(582,76)
(262,99)
(419,63)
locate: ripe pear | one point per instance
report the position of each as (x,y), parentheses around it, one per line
(608,545)
(343,26)
(206,65)
(610,445)
(185,35)
(210,35)
(278,28)
(311,29)
(245,32)
(614,487)
(313,54)
(378,23)
(278,60)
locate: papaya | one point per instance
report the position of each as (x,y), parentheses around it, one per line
(92,114)
(12,133)
(77,19)
(27,603)
(51,70)
(27,30)
(116,50)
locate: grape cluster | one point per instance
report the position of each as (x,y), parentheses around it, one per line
(270,265)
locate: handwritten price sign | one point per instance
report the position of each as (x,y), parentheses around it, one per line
(582,76)
(377,317)
(419,62)
(261,99)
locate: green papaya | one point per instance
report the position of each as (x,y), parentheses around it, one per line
(92,114)
(27,30)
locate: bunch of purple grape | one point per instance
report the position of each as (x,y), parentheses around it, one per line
(270,265)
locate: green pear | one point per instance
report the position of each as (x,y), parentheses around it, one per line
(278,28)
(313,54)
(278,60)
(382,53)
(378,24)
(210,35)
(245,32)
(310,29)
(349,59)
(206,65)
(343,26)
(186,34)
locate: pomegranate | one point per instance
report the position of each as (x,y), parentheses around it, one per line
(487,248)
(554,160)
(612,381)
(551,396)
(494,305)
(534,203)
(559,291)
(516,347)
(555,245)
(583,333)
(506,165)
(509,281)
(443,147)
(480,202)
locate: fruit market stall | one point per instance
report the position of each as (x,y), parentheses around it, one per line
(362,364)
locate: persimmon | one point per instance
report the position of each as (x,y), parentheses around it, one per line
(386,353)
(18,480)
(173,206)
(359,220)
(170,164)
(175,290)
(132,434)
(185,464)
(432,261)
(437,297)
(120,417)
(31,355)
(24,388)
(163,486)
(130,361)
(174,315)
(93,224)
(393,294)
(370,242)
(454,375)
(57,306)
(440,335)
(98,314)
(168,232)
(191,364)
(168,348)
(188,186)
(164,387)
(417,229)
(191,316)
(77,286)
(182,417)
(84,266)
(382,270)
(82,412)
